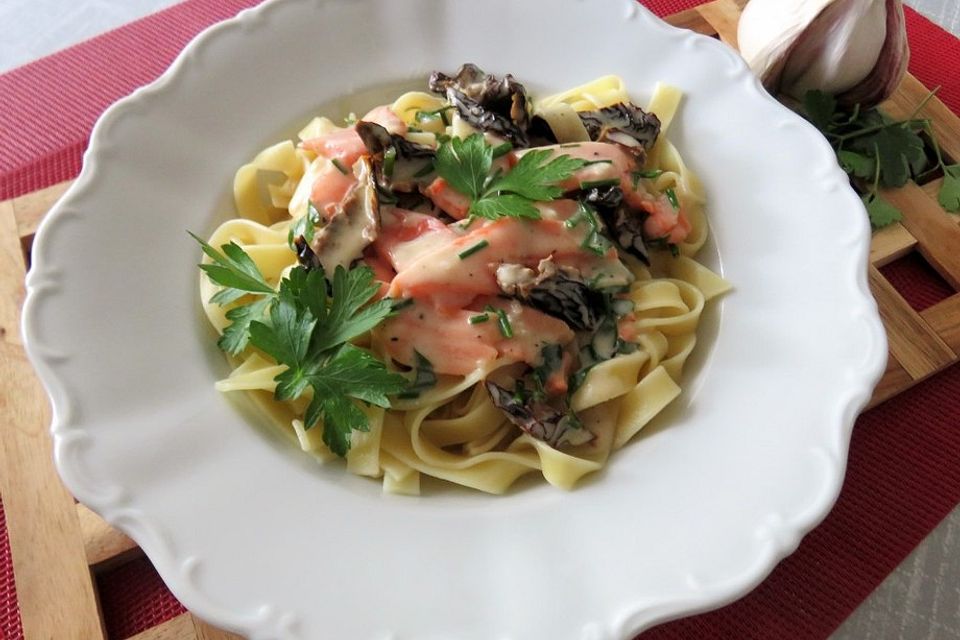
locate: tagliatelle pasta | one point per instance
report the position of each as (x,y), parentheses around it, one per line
(543,311)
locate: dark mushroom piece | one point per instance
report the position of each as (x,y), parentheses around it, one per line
(539,419)
(555,290)
(398,164)
(625,225)
(488,104)
(624,124)
(354,224)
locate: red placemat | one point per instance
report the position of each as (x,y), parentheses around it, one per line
(904,469)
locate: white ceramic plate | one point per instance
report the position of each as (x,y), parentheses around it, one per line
(253,536)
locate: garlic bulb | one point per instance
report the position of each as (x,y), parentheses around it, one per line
(855,49)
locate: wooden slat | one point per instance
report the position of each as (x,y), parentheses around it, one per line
(890,243)
(205,632)
(913,343)
(944,318)
(937,233)
(946,125)
(723,16)
(692,20)
(179,628)
(104,545)
(895,379)
(54,587)
(53,540)
(932,188)
(186,626)
(11,283)
(29,209)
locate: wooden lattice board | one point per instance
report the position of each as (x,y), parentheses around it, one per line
(58,546)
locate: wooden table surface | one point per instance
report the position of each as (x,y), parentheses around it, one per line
(920,600)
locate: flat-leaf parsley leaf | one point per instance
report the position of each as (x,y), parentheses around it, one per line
(465,165)
(309,331)
(239,276)
(307,326)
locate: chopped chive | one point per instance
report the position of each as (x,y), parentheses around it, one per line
(339,165)
(423,116)
(389,159)
(592,184)
(583,213)
(593,162)
(427,170)
(504,323)
(477,319)
(385,195)
(596,243)
(636,175)
(424,378)
(466,253)
(502,149)
(672,197)
(403,303)
(570,145)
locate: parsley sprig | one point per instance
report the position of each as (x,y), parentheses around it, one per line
(878,151)
(307,325)
(466,166)
(239,276)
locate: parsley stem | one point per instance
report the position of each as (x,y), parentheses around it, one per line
(463,255)
(936,146)
(923,103)
(876,171)
(878,127)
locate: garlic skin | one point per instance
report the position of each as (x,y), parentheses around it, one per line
(855,49)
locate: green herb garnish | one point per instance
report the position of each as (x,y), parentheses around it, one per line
(672,197)
(426,116)
(466,253)
(239,276)
(594,241)
(506,329)
(424,378)
(304,226)
(477,319)
(339,165)
(593,184)
(309,330)
(466,164)
(878,151)
(389,159)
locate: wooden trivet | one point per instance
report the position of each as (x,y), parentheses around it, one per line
(58,546)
